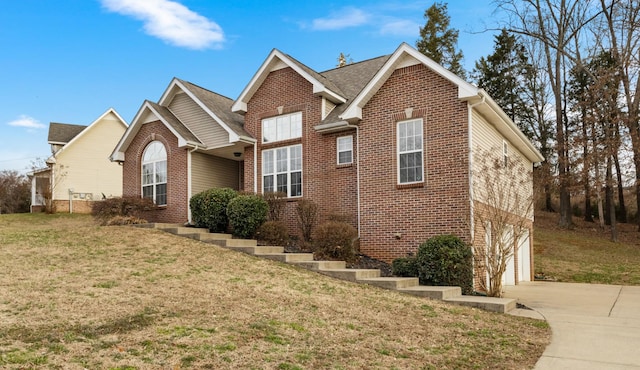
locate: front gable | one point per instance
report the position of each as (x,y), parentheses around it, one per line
(277,60)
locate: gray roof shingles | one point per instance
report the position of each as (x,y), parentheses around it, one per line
(63,132)
(175,123)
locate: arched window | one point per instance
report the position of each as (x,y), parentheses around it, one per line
(154,173)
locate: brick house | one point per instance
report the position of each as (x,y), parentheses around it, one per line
(389,143)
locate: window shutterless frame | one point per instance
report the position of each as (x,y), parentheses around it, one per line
(282,170)
(344,150)
(154,173)
(410,151)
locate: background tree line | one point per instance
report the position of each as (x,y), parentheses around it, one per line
(567,72)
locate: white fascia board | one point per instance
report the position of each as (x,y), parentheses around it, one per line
(276,56)
(354,111)
(233,137)
(333,127)
(511,130)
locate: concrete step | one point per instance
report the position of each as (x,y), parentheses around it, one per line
(393,283)
(287,257)
(502,305)
(433,292)
(230,243)
(156,225)
(258,250)
(321,265)
(351,274)
(205,237)
(184,230)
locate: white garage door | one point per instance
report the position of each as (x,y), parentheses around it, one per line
(524,258)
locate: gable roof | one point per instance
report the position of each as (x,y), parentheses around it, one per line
(62,133)
(79,135)
(322,86)
(218,107)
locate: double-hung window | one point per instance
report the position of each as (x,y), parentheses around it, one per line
(410,152)
(284,127)
(345,149)
(282,170)
(154,173)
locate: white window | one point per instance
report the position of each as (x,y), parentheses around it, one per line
(288,126)
(505,154)
(154,173)
(345,149)
(282,170)
(410,147)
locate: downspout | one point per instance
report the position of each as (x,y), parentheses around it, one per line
(195,147)
(357,173)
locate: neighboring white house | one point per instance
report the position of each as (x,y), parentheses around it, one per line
(79,170)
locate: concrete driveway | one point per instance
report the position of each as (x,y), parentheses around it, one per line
(594,326)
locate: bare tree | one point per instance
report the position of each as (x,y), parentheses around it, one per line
(555,25)
(503,208)
(15,192)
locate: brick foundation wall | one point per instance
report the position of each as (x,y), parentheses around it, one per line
(176,210)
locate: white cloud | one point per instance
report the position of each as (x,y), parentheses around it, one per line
(346,17)
(171,21)
(400,28)
(27,122)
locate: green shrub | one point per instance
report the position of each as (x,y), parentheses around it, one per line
(307,212)
(272,233)
(209,208)
(246,213)
(445,260)
(110,208)
(276,201)
(335,240)
(405,267)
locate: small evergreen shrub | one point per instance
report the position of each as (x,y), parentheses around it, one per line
(335,240)
(445,260)
(307,212)
(246,213)
(276,201)
(405,267)
(272,233)
(209,208)
(109,208)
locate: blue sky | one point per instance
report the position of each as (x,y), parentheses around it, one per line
(70,60)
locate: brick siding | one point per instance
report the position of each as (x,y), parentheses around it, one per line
(176,210)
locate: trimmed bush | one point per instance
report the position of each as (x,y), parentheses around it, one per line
(246,213)
(110,208)
(335,240)
(272,233)
(445,260)
(404,267)
(209,208)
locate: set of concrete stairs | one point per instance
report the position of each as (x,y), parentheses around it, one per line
(338,269)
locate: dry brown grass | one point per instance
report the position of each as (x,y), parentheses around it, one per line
(585,254)
(76,295)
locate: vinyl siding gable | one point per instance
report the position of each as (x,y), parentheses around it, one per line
(198,121)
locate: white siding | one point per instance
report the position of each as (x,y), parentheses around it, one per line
(86,164)
(208,171)
(200,123)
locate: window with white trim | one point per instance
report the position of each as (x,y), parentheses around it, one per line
(154,173)
(284,127)
(344,145)
(282,170)
(505,153)
(410,152)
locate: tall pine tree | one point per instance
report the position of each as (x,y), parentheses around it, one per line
(503,75)
(438,41)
